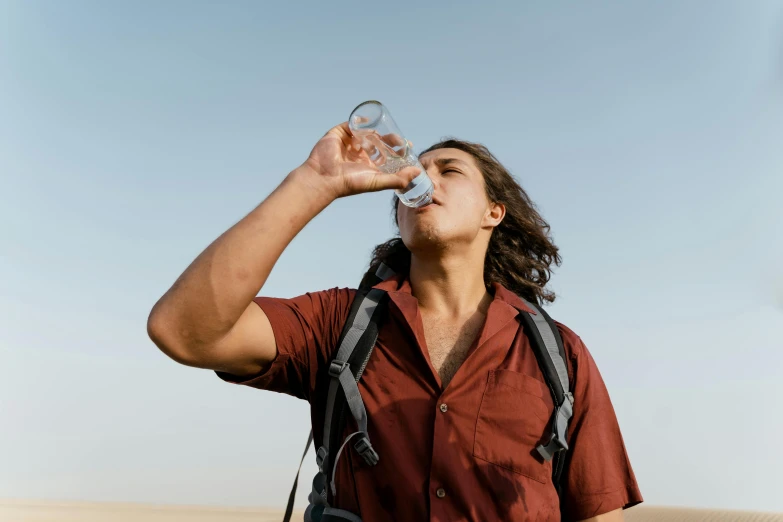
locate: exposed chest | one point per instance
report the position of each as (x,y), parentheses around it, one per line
(449,342)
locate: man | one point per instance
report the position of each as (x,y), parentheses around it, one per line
(455,398)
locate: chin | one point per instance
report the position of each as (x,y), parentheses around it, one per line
(425,238)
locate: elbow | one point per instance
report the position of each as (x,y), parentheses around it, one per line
(162,330)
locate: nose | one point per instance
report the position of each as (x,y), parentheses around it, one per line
(435,183)
(434,178)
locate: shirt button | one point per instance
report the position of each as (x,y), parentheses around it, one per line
(441,492)
(444,409)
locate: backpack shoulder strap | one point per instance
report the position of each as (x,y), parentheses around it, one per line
(548,347)
(355,347)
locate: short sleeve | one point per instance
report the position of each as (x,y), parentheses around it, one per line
(597,477)
(306,330)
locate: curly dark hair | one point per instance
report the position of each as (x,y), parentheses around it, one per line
(520,252)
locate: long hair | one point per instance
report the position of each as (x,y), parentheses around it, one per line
(521,252)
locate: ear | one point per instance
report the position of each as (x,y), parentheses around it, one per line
(495,214)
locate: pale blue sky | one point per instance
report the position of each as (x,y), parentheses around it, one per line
(131,135)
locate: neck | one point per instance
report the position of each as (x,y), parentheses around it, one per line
(449,286)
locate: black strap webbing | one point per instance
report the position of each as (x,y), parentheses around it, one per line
(290,507)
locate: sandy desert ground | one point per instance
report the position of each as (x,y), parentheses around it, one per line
(38,511)
(34,511)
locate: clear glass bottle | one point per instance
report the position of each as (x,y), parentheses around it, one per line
(389,150)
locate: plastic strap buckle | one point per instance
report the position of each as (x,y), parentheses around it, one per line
(555,444)
(548,450)
(557,441)
(338,367)
(365,449)
(320,458)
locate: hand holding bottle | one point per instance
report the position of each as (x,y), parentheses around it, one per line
(343,167)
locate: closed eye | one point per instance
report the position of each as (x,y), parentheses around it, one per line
(451,170)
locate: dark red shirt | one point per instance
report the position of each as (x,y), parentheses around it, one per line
(467,452)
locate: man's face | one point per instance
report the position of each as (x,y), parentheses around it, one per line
(460,213)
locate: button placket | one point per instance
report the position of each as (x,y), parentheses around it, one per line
(439,466)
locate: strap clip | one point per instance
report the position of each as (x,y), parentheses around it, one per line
(557,441)
(320,458)
(338,367)
(365,449)
(555,445)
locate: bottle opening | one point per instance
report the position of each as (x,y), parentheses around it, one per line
(366,115)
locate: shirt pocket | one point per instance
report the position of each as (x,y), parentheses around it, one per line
(514,417)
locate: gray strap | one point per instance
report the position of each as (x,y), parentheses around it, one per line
(339,370)
(548,336)
(341,377)
(353,398)
(322,457)
(337,457)
(359,325)
(341,514)
(564,413)
(384,272)
(360,322)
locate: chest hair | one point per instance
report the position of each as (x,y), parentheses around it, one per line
(448,343)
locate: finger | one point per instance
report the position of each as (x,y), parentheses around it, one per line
(341,131)
(408,174)
(388,181)
(381,181)
(370,148)
(358,120)
(394,140)
(364,143)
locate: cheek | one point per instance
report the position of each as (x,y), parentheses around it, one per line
(466,194)
(470,207)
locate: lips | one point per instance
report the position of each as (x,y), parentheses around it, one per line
(435,202)
(426,208)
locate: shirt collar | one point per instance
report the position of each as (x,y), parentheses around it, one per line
(400,284)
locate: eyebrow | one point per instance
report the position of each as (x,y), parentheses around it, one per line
(445,162)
